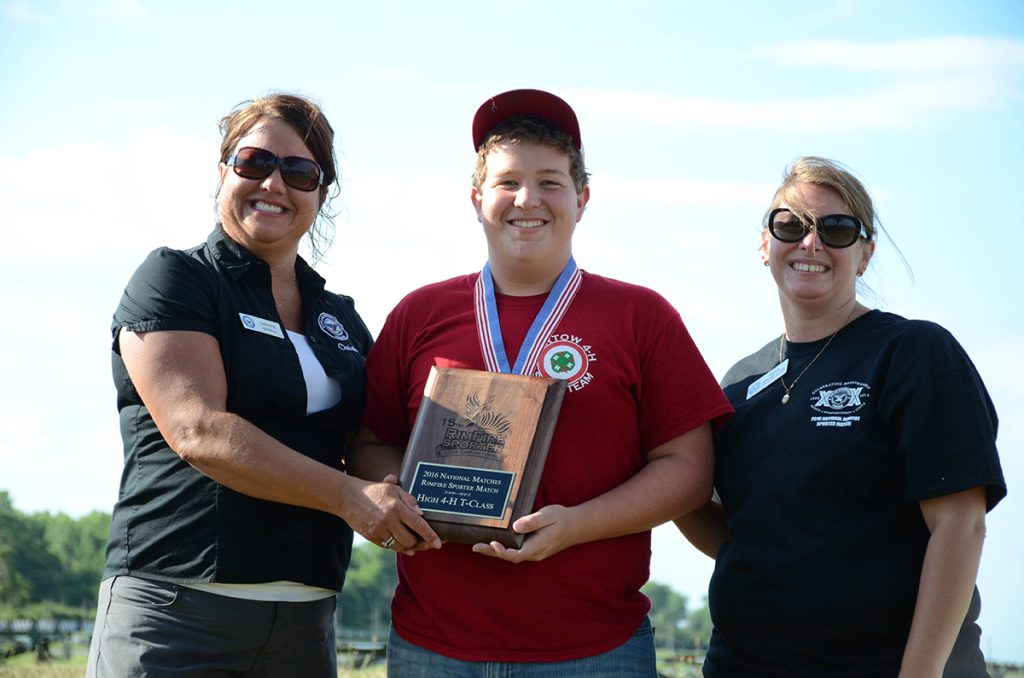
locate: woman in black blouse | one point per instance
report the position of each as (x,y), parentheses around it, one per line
(239,379)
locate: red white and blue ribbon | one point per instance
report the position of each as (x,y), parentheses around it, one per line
(489,329)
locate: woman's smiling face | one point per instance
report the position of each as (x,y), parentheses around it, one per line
(267,216)
(808,273)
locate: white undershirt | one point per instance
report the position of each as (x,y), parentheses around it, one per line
(277,591)
(322,393)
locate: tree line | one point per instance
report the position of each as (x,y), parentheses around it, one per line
(51,564)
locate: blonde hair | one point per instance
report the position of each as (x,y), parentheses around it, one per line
(824,172)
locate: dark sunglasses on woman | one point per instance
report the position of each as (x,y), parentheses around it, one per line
(258,163)
(834,230)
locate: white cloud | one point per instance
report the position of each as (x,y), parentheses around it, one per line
(82,217)
(23,11)
(125,9)
(22,432)
(390,74)
(113,201)
(626,191)
(26,11)
(895,105)
(927,77)
(955,54)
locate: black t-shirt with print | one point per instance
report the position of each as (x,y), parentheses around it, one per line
(173,523)
(820,573)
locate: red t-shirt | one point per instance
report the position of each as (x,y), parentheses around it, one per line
(637,382)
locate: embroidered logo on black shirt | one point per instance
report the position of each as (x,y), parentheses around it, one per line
(331,327)
(838,402)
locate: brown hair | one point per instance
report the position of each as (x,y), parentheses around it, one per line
(306,118)
(527,129)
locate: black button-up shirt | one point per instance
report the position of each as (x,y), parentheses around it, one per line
(173,523)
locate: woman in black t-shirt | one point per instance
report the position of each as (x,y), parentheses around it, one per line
(852,483)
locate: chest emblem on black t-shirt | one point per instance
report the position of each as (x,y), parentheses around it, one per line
(332,327)
(567,357)
(838,403)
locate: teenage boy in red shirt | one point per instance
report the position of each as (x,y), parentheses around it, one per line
(631,449)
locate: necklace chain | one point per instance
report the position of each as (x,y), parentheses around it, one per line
(291,293)
(782,344)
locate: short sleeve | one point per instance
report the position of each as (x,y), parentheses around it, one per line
(169,291)
(678,391)
(943,420)
(386,413)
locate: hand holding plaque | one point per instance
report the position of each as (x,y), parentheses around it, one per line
(477,450)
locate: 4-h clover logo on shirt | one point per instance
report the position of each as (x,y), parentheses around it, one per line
(568,360)
(561,362)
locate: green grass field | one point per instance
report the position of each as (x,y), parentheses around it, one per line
(25,666)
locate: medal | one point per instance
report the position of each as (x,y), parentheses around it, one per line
(489,330)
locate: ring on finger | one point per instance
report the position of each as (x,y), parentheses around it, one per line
(389,542)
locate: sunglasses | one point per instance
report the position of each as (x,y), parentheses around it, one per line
(834,230)
(257,163)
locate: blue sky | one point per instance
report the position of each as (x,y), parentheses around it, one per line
(689,113)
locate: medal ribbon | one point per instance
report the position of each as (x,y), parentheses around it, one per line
(489,330)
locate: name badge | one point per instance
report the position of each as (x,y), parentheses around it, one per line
(767,378)
(251,322)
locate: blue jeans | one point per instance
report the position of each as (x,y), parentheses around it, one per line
(632,659)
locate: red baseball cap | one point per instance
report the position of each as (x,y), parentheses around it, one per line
(501,107)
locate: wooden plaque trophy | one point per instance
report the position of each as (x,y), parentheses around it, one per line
(477,450)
